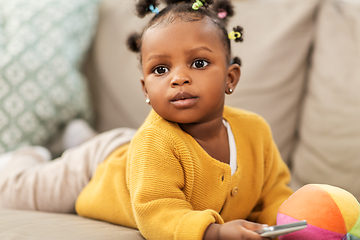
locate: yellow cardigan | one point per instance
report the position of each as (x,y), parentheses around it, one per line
(168,187)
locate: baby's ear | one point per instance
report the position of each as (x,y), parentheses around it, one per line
(143,87)
(233,76)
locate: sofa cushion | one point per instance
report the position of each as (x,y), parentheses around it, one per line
(32,225)
(329,146)
(41,46)
(277,39)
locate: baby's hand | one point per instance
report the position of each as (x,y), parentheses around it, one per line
(234,230)
(240,229)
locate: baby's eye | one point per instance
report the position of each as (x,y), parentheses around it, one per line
(200,64)
(161,70)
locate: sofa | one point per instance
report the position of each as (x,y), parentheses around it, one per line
(300,71)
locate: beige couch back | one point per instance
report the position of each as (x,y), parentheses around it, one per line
(113,71)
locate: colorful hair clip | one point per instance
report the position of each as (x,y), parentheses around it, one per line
(236,34)
(197,4)
(153,9)
(222,13)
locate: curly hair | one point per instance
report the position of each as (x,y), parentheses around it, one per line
(217,11)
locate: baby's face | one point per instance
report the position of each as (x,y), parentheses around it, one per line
(185,73)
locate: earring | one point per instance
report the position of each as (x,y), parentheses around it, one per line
(230,90)
(147,101)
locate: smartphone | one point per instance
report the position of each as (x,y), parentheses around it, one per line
(276,231)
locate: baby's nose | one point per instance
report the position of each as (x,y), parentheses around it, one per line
(180,81)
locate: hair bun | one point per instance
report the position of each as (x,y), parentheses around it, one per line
(224,9)
(241,31)
(143,7)
(134,42)
(236,60)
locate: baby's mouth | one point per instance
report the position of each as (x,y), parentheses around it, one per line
(182,96)
(183,100)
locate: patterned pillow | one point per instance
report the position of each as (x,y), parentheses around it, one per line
(42,44)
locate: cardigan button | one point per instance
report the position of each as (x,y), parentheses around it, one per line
(234,191)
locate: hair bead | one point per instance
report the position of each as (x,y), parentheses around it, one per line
(234,35)
(222,13)
(154,9)
(143,7)
(197,4)
(223,8)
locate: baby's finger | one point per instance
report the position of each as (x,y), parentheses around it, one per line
(253,235)
(253,226)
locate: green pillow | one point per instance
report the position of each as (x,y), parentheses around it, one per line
(42,44)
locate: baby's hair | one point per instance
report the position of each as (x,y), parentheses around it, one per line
(224,9)
(239,29)
(146,6)
(217,11)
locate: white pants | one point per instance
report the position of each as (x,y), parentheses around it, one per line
(31,183)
